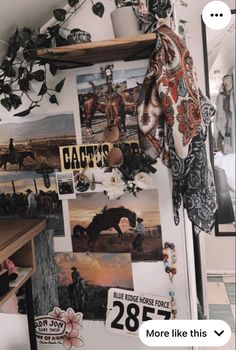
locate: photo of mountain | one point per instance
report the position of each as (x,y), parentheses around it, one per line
(28,143)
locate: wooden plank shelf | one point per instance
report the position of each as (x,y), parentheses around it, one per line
(86,54)
(21,279)
(17,242)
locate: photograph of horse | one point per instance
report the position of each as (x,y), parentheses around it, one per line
(100,225)
(83,280)
(15,188)
(25,144)
(98,107)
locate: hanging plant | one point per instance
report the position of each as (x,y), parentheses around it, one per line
(21,67)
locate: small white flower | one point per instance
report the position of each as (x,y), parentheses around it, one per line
(114,185)
(143,180)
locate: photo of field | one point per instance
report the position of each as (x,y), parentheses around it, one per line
(36,140)
(85,278)
(92,210)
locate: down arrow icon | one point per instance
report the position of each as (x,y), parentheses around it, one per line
(219,334)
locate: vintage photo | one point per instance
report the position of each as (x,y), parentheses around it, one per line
(94,100)
(85,278)
(65,185)
(128,224)
(23,195)
(32,143)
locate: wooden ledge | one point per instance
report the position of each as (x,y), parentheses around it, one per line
(86,54)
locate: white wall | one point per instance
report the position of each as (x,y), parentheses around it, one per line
(148,277)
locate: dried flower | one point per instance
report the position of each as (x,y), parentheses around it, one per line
(114,184)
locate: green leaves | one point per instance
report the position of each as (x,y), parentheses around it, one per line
(15,101)
(6,103)
(24,37)
(98,9)
(43,90)
(59,86)
(60,14)
(53,69)
(26,111)
(23,84)
(53,99)
(38,75)
(72,3)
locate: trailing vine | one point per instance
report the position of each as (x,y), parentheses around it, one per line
(21,67)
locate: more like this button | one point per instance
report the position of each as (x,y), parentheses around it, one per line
(184,333)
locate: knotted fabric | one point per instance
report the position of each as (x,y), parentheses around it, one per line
(173,117)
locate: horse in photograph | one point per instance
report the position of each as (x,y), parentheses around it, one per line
(76,292)
(113,110)
(130,98)
(20,157)
(108,219)
(45,203)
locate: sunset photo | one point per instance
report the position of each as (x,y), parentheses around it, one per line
(84,280)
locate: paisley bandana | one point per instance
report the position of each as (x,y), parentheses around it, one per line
(173,123)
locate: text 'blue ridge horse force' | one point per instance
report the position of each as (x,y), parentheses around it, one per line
(109,218)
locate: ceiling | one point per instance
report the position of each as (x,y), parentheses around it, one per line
(24,13)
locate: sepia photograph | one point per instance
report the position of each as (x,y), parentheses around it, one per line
(32,143)
(128,224)
(85,278)
(94,98)
(23,195)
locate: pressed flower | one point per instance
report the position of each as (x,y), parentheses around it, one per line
(73,340)
(72,320)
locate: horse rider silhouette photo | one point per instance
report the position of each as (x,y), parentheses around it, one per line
(12,151)
(76,290)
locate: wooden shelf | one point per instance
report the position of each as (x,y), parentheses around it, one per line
(21,279)
(86,54)
(17,242)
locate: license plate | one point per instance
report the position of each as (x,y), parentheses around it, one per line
(127,310)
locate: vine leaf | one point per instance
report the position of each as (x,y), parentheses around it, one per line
(38,75)
(15,101)
(6,89)
(6,103)
(59,86)
(43,90)
(53,99)
(24,37)
(60,14)
(98,9)
(23,84)
(53,69)
(72,3)
(26,111)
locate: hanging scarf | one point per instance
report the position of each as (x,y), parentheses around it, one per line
(173,122)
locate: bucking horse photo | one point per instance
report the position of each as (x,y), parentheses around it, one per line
(108,219)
